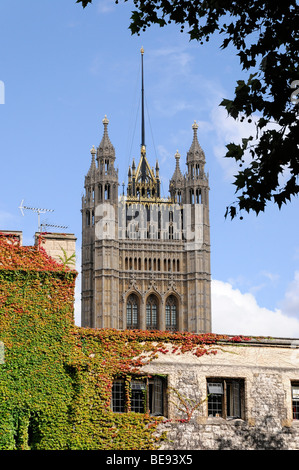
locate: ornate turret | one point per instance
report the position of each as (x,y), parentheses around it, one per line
(92,168)
(105,151)
(195,156)
(177,182)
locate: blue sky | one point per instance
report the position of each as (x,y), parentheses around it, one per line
(63,69)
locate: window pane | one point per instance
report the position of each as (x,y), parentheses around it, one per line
(151,313)
(155,391)
(118,396)
(148,315)
(135,315)
(154,315)
(295,401)
(224,398)
(233,399)
(173,316)
(138,396)
(168,317)
(215,404)
(216,388)
(171,313)
(132,312)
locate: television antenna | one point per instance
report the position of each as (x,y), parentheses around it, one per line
(35,209)
(55,226)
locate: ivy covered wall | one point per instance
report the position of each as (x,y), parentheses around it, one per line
(55,378)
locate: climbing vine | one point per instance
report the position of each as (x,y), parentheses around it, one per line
(56,380)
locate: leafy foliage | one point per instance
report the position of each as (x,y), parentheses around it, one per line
(84,2)
(265,37)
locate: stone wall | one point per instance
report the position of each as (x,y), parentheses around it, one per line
(267,368)
(60,246)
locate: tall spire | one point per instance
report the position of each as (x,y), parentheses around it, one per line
(142,102)
(143,164)
(144,184)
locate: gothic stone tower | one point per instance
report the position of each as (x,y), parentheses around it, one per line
(146,259)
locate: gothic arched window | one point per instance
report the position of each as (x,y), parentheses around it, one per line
(132,312)
(171,313)
(152,313)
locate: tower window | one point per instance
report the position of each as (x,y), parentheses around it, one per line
(87,218)
(107,191)
(100,194)
(171,313)
(198,196)
(152,313)
(191,196)
(132,312)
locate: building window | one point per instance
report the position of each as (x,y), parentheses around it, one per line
(118,396)
(152,313)
(145,395)
(295,400)
(225,398)
(138,396)
(132,312)
(156,396)
(171,313)
(87,218)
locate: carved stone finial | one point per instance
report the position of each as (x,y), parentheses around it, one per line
(105,120)
(195,126)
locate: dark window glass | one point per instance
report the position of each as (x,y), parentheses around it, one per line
(152,313)
(295,400)
(132,312)
(118,396)
(225,397)
(171,313)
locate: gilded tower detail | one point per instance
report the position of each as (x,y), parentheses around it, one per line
(146,258)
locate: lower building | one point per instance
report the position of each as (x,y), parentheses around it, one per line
(244,397)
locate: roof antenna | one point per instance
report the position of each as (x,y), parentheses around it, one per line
(142,102)
(35,209)
(143,168)
(54,226)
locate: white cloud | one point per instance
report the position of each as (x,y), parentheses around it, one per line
(290,304)
(105,6)
(229,130)
(239,314)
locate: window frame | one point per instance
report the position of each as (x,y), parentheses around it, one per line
(149,390)
(295,402)
(232,397)
(133,304)
(171,313)
(152,312)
